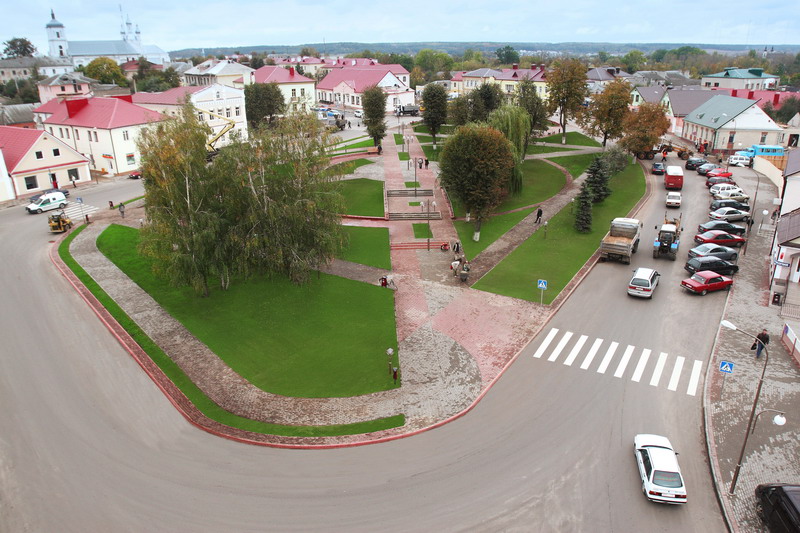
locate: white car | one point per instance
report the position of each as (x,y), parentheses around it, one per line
(643,283)
(719,187)
(730,214)
(673,199)
(662,481)
(358,113)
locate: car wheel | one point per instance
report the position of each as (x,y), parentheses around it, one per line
(703,292)
(62,205)
(39,211)
(728,287)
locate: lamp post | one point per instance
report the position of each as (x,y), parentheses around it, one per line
(389,354)
(763,214)
(429,224)
(779,419)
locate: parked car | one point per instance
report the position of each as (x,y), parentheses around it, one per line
(706,281)
(704,169)
(732,194)
(673,199)
(719,187)
(731,214)
(658,168)
(719,173)
(661,477)
(135,175)
(739,160)
(719,237)
(709,262)
(717,180)
(35,198)
(693,162)
(716,250)
(358,113)
(716,204)
(779,506)
(721,225)
(644,282)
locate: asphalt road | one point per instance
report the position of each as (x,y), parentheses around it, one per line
(88,443)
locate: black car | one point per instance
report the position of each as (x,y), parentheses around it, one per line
(693,162)
(722,225)
(718,204)
(659,168)
(714,264)
(35,197)
(779,506)
(705,169)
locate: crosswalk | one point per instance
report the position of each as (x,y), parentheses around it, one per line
(629,357)
(76,211)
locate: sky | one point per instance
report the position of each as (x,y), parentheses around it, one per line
(212,23)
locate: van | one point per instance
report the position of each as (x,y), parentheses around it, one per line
(643,282)
(739,160)
(673,178)
(779,506)
(46,202)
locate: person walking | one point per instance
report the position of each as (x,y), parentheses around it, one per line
(426,163)
(539,215)
(454,266)
(664,155)
(122,210)
(763,340)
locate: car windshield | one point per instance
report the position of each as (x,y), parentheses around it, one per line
(671,480)
(640,282)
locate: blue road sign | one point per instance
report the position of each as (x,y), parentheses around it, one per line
(79,200)
(542,284)
(726,367)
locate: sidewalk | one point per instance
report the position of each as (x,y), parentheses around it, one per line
(773,453)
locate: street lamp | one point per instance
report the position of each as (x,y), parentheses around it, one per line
(389,354)
(779,419)
(763,214)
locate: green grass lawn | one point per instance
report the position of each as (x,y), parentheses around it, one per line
(422,231)
(430,153)
(539,149)
(339,144)
(398,139)
(558,257)
(348,167)
(417,204)
(411,184)
(491,230)
(425,139)
(446,129)
(573,137)
(403,156)
(363,197)
(575,164)
(367,246)
(192,392)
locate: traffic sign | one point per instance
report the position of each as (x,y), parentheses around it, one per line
(726,367)
(542,284)
(79,200)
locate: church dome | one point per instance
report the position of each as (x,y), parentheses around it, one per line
(53,22)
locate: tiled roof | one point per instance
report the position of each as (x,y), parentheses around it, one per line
(516,74)
(103,113)
(16,114)
(48,107)
(102,48)
(792,163)
(718,111)
(483,73)
(133,66)
(16,142)
(218,68)
(459,76)
(742,74)
(29,62)
(66,79)
(357,78)
(174,96)
(350,62)
(652,94)
(684,102)
(273,74)
(605,74)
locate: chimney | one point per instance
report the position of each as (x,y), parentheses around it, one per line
(734,92)
(750,95)
(515,66)
(74,106)
(125,97)
(776,100)
(617,70)
(610,70)
(291,71)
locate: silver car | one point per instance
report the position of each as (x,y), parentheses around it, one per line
(731,214)
(717,250)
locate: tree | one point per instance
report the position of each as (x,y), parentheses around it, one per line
(262,101)
(515,124)
(483,100)
(583,215)
(659,55)
(309,51)
(18,47)
(416,77)
(374,103)
(602,56)
(458,111)
(633,60)
(616,158)
(507,55)
(434,98)
(607,111)
(256,61)
(527,98)
(475,167)
(597,176)
(106,70)
(567,91)
(643,128)
(431,61)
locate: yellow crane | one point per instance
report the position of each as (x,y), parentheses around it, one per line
(214,138)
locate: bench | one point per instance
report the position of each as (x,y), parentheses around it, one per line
(372,150)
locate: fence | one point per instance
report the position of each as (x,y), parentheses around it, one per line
(790,342)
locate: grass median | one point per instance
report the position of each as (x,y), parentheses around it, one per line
(573,137)
(362,197)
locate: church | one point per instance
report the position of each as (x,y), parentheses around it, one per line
(81,53)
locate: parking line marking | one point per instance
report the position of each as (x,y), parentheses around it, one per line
(590,356)
(624,362)
(695,378)
(563,342)
(637,373)
(676,374)
(546,343)
(575,350)
(607,359)
(662,360)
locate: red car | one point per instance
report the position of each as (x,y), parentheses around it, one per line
(719,173)
(719,237)
(706,281)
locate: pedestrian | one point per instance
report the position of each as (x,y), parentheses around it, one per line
(433,205)
(122,210)
(359,123)
(426,163)
(394,374)
(539,215)
(111,204)
(454,266)
(349,125)
(664,155)
(420,163)
(763,340)
(380,149)
(456,247)
(774,215)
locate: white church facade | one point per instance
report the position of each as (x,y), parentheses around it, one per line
(81,53)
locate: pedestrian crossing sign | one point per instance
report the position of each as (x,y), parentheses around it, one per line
(542,284)
(726,367)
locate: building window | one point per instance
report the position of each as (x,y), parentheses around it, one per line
(31,183)
(763,137)
(72,173)
(228,112)
(56,152)
(61,132)
(39,155)
(217,95)
(77,135)
(63,89)
(200,116)
(294,93)
(67,132)
(238,111)
(131,159)
(125,136)
(95,136)
(51,130)
(731,135)
(302,92)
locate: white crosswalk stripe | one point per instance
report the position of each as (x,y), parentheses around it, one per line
(675,364)
(76,211)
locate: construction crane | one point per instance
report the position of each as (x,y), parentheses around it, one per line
(214,138)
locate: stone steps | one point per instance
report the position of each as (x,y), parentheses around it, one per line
(433,215)
(409,192)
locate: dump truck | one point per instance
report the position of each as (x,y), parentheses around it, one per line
(680,150)
(621,241)
(59,222)
(668,239)
(412,110)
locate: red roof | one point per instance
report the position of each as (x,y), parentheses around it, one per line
(776,98)
(48,107)
(133,66)
(16,142)
(357,78)
(273,74)
(534,73)
(459,76)
(174,96)
(103,113)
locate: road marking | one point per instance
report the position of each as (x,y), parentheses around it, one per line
(546,343)
(691,390)
(592,352)
(624,362)
(676,374)
(607,359)
(563,342)
(637,373)
(574,353)
(662,360)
